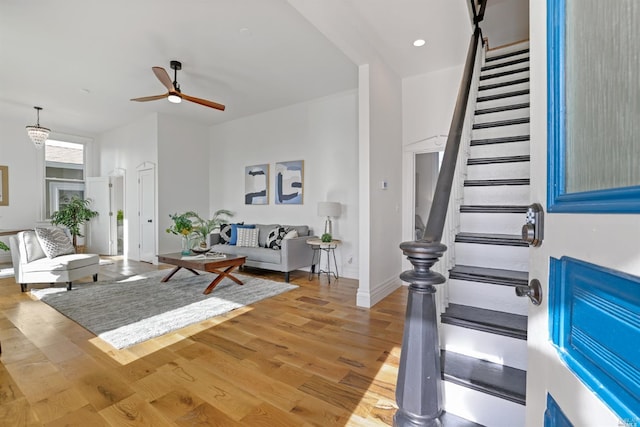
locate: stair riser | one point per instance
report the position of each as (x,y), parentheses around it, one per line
(502,102)
(483,345)
(500,131)
(505,68)
(524,55)
(488,296)
(507,78)
(504,89)
(492,256)
(501,115)
(519,148)
(498,223)
(508,49)
(497,195)
(482,408)
(498,170)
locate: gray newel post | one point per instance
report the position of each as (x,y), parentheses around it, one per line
(419,387)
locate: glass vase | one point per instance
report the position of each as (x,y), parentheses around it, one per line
(186,245)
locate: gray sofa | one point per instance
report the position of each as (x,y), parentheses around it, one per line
(294,254)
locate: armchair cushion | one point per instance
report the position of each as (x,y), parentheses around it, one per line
(61,263)
(32,246)
(54,242)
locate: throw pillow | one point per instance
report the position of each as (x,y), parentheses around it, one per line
(234,231)
(54,242)
(247,237)
(32,245)
(225,233)
(291,233)
(274,239)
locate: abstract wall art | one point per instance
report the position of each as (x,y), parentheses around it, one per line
(289,182)
(256,185)
(4,185)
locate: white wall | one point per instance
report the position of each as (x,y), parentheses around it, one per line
(183,174)
(323,133)
(381,162)
(506,22)
(428,101)
(128,147)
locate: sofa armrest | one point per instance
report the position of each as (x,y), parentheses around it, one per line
(296,253)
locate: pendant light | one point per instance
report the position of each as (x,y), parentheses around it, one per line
(37,133)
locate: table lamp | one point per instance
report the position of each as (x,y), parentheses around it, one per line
(328,209)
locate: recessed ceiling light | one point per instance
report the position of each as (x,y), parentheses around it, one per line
(419,42)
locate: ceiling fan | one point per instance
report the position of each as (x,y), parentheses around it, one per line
(175,95)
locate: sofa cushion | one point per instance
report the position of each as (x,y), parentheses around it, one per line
(274,239)
(61,263)
(54,242)
(292,233)
(264,233)
(247,237)
(32,245)
(260,255)
(234,231)
(303,230)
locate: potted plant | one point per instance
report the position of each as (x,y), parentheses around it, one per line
(73,215)
(182,226)
(3,246)
(204,227)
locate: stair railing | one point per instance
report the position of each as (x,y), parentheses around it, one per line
(419,391)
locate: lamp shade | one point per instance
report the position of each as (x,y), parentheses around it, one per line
(331,209)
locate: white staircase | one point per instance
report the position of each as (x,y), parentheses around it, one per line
(483,334)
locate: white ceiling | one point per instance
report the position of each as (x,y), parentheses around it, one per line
(82,60)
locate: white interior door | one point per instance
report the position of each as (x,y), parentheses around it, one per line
(584,362)
(146,217)
(99,231)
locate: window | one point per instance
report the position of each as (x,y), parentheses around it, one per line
(64,164)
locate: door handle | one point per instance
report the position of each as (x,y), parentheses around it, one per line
(149,220)
(533,291)
(533,229)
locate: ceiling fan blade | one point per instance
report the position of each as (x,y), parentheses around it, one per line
(204,102)
(150,98)
(164,78)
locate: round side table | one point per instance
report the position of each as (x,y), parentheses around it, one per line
(318,247)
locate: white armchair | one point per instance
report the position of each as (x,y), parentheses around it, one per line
(32,265)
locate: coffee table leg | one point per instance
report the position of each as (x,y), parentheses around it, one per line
(221,275)
(170,275)
(175,270)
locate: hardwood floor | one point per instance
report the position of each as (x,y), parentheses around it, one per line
(307,357)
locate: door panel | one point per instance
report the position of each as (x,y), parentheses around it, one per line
(99,231)
(597,226)
(147,222)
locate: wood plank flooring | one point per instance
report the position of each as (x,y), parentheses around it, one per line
(308,357)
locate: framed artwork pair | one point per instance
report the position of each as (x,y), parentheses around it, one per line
(289,183)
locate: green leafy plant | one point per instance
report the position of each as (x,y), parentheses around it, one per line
(120,215)
(3,246)
(182,225)
(326,238)
(204,227)
(73,215)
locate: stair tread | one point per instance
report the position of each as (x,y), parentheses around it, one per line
(491,321)
(491,378)
(504,84)
(504,64)
(500,159)
(506,55)
(493,208)
(504,73)
(498,123)
(450,420)
(501,108)
(491,239)
(500,140)
(489,275)
(502,95)
(495,182)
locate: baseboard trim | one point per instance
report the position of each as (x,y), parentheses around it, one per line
(368,299)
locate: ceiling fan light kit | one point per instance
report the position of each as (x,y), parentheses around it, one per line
(37,133)
(174,94)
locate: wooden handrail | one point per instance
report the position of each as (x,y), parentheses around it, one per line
(419,386)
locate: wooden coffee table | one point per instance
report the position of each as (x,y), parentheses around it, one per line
(222,267)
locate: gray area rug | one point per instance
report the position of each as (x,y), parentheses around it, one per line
(138,308)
